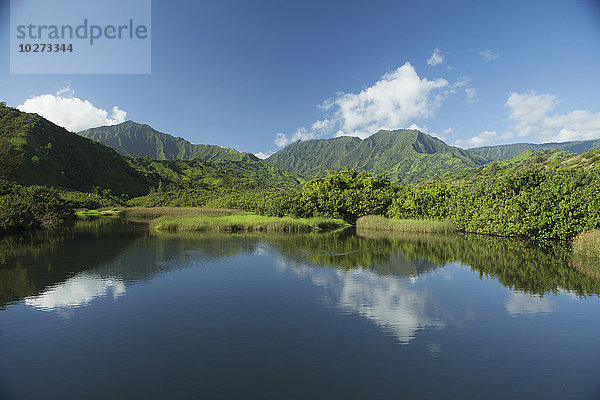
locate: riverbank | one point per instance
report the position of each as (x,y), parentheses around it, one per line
(379,223)
(245,222)
(586,253)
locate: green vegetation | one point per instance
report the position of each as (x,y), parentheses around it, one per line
(85,213)
(140,140)
(533,267)
(347,194)
(542,195)
(547,194)
(244,222)
(154,212)
(547,200)
(587,245)
(405,156)
(586,253)
(529,157)
(210,176)
(375,222)
(37,152)
(507,151)
(33,261)
(24,208)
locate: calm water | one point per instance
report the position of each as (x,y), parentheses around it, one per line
(107,310)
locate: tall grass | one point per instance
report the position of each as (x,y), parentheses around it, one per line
(244,222)
(155,212)
(586,253)
(375,222)
(587,244)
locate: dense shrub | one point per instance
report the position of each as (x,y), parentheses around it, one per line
(23,208)
(346,194)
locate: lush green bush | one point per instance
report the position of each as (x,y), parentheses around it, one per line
(347,195)
(532,201)
(537,200)
(23,208)
(96,199)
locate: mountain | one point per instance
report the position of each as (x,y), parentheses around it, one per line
(224,174)
(34,151)
(140,140)
(404,155)
(506,151)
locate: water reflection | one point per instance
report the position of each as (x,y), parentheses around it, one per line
(389,302)
(520,303)
(394,303)
(77,291)
(33,264)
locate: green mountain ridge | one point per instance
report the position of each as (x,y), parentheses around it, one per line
(37,152)
(405,156)
(140,140)
(34,151)
(506,151)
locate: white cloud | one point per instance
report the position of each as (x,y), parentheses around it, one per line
(531,116)
(489,55)
(483,139)
(393,102)
(471,95)
(262,155)
(436,58)
(418,128)
(462,81)
(71,112)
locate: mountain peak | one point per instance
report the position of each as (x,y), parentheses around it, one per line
(141,140)
(406,155)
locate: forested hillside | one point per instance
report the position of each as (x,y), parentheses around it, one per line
(141,140)
(37,152)
(405,156)
(506,151)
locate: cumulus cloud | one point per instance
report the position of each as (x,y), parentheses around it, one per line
(425,129)
(471,95)
(483,139)
(531,115)
(393,102)
(436,58)
(70,112)
(262,155)
(489,55)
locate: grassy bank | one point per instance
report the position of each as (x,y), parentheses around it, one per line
(102,212)
(244,222)
(155,212)
(586,253)
(375,222)
(587,245)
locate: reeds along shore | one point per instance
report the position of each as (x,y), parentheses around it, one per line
(374,222)
(244,222)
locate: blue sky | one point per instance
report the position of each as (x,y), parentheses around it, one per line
(249,75)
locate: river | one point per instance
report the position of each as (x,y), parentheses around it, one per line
(107,309)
